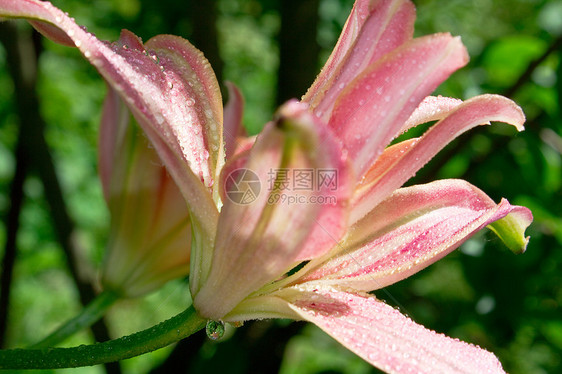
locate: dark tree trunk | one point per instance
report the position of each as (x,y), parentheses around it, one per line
(203,15)
(298,48)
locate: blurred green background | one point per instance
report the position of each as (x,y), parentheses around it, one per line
(481,293)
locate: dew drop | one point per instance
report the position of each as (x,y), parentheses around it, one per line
(159,118)
(154,57)
(87,54)
(214,329)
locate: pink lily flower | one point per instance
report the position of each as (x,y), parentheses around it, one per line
(355,233)
(150,224)
(172,93)
(373,88)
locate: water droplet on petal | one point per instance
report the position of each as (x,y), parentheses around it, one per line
(159,118)
(214,329)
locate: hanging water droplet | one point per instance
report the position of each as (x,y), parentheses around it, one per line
(214,329)
(154,57)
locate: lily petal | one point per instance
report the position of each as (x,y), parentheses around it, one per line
(387,339)
(158,90)
(233,111)
(432,108)
(415,154)
(413,228)
(150,227)
(372,29)
(194,100)
(115,120)
(382,98)
(262,239)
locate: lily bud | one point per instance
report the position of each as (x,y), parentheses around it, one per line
(150,235)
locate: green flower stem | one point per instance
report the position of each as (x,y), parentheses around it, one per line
(88,316)
(151,339)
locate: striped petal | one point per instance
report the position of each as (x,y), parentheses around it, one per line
(374,28)
(170,89)
(387,339)
(432,108)
(413,228)
(382,98)
(233,129)
(394,167)
(262,237)
(150,232)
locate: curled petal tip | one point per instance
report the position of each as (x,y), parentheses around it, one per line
(511,228)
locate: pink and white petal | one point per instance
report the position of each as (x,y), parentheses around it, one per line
(331,181)
(260,240)
(476,111)
(149,242)
(150,229)
(243,144)
(382,98)
(233,111)
(230,169)
(432,108)
(373,29)
(413,228)
(386,161)
(115,119)
(387,339)
(194,101)
(151,90)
